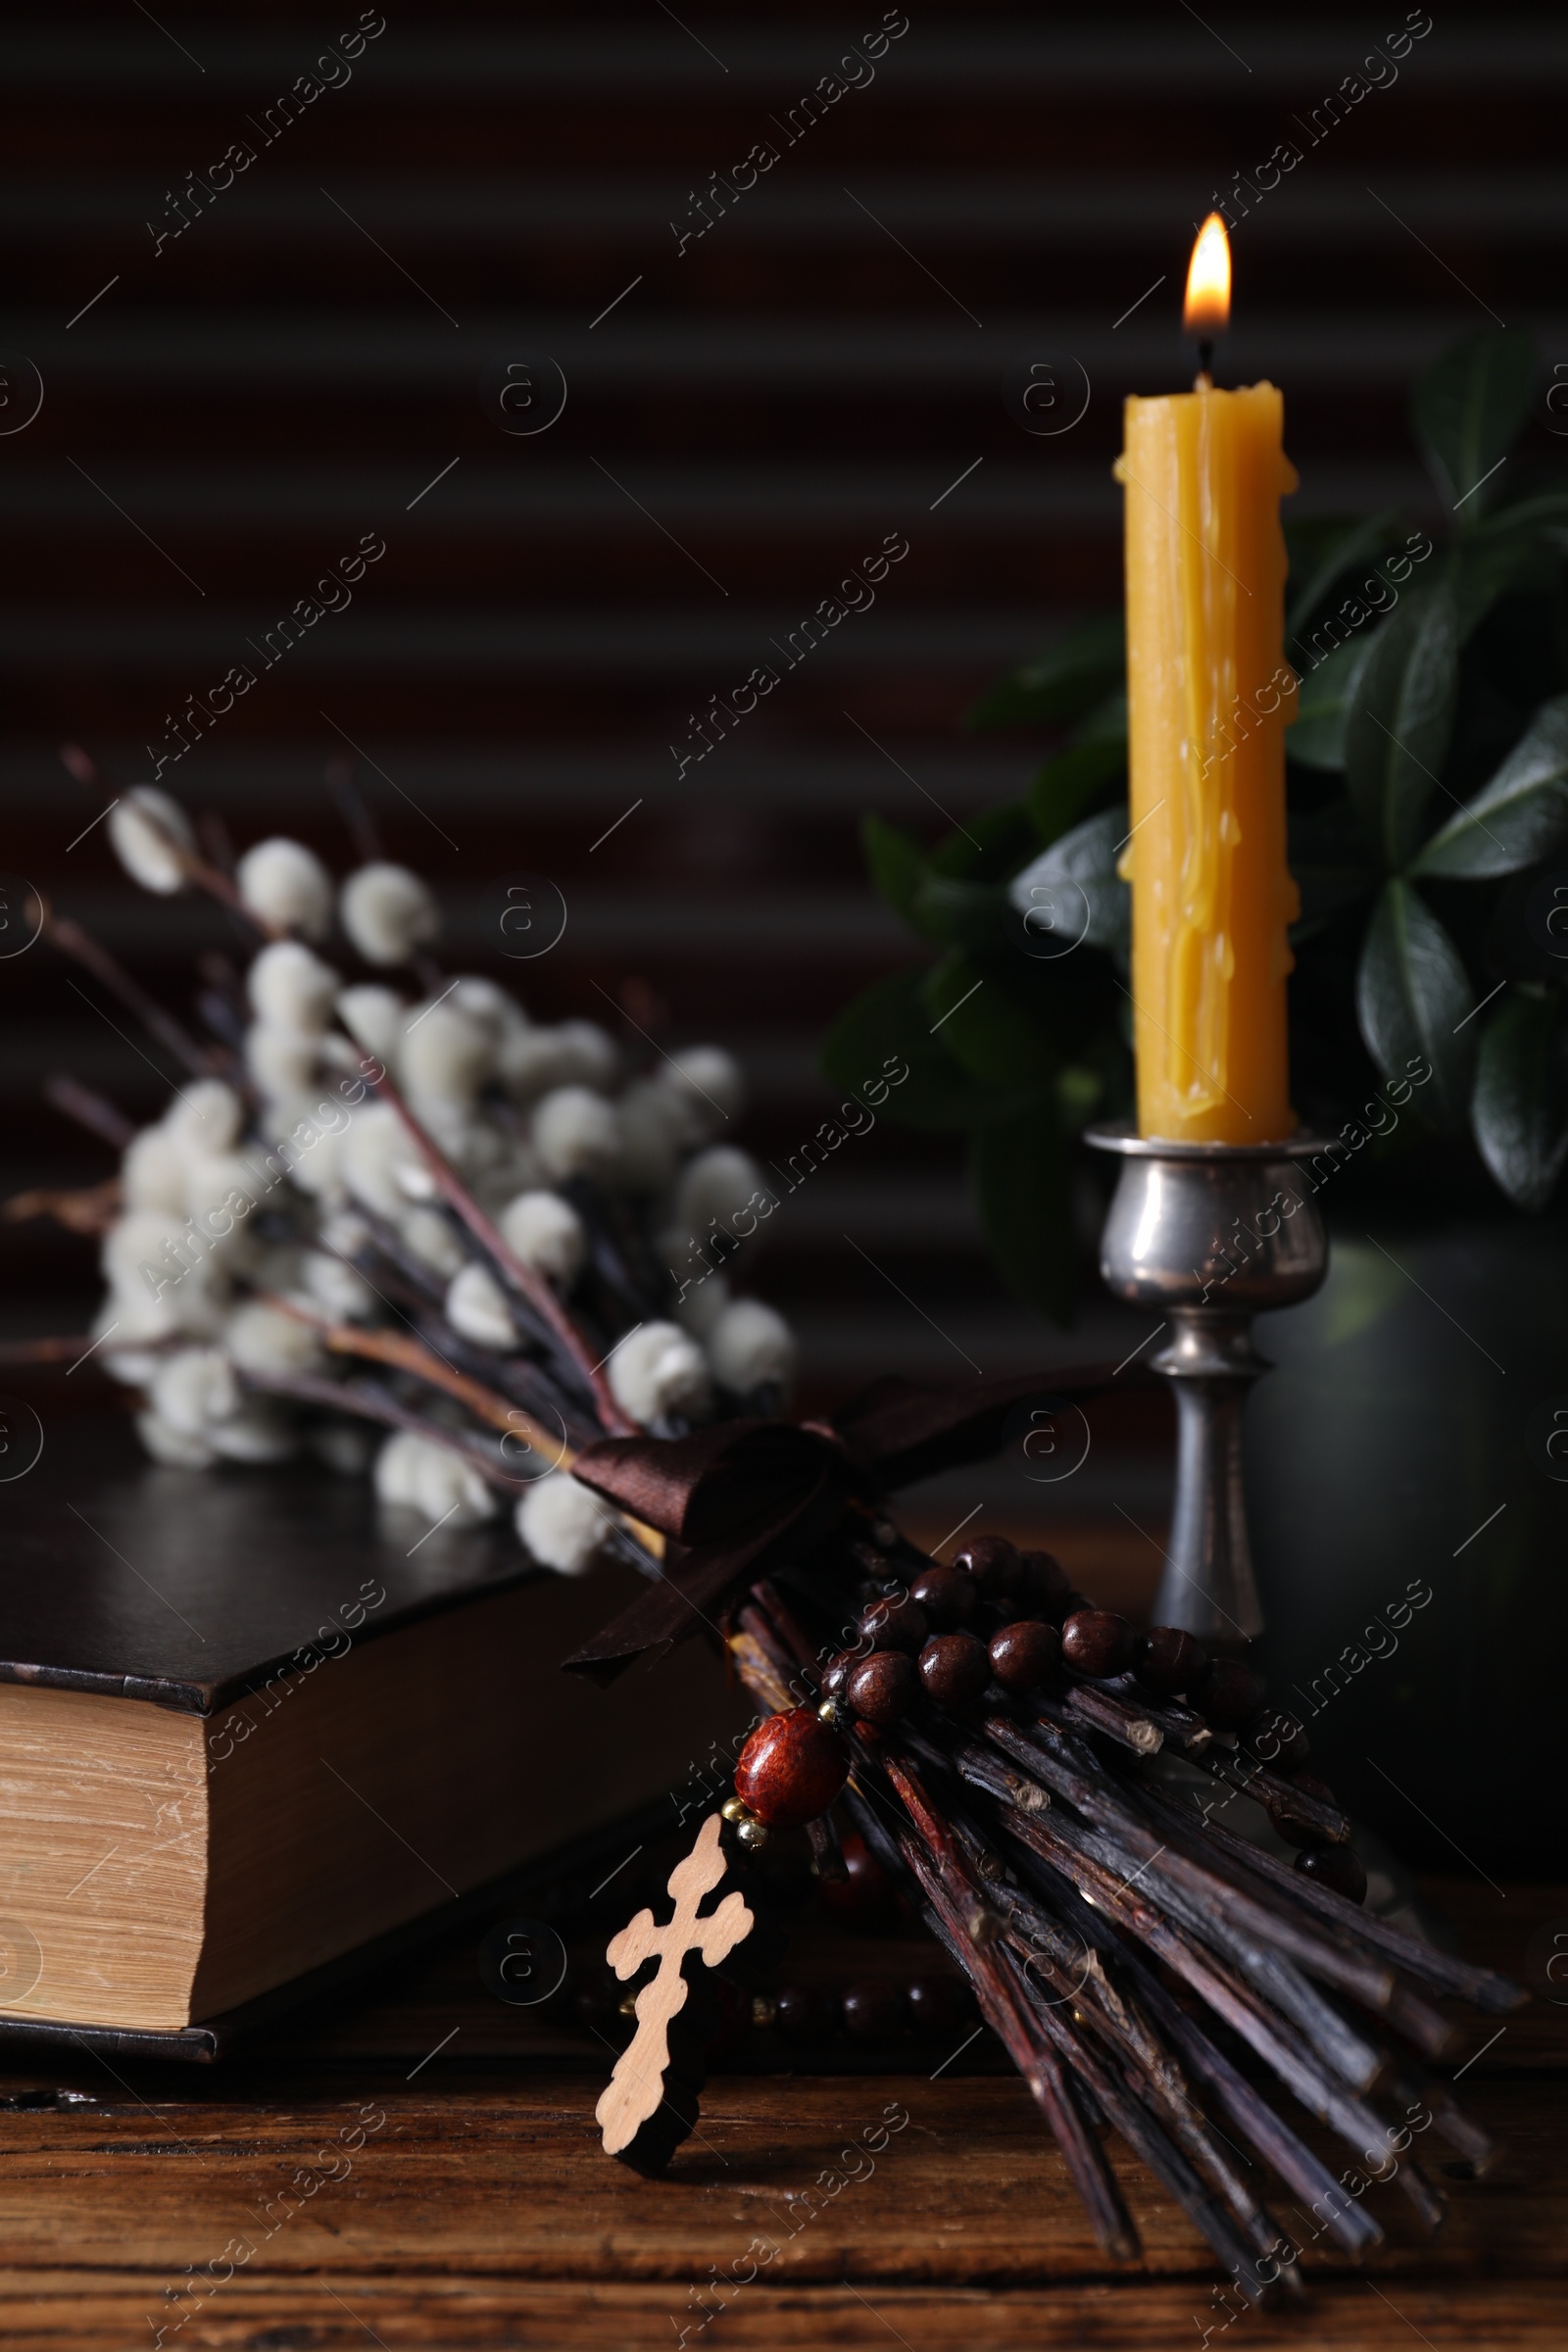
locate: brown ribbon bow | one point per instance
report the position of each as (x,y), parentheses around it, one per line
(739,1497)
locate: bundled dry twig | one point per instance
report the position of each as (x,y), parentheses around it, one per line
(1133,1954)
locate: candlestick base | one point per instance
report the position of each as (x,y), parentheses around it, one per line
(1211,1235)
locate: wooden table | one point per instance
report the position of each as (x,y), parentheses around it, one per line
(481,2212)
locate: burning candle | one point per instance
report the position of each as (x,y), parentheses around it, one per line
(1209,697)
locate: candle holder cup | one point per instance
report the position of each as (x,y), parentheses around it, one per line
(1211,1235)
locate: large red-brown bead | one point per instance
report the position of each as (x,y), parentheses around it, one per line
(791,1769)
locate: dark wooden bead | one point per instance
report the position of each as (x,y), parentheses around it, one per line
(1291,1824)
(1167,1660)
(837,1671)
(937,2004)
(791,1769)
(805,2013)
(1097,1642)
(896,1622)
(874,2008)
(883,1688)
(1228,1693)
(948,1596)
(1044,1583)
(864,1896)
(1277,1740)
(955,1669)
(994,1563)
(1024,1653)
(1338,1866)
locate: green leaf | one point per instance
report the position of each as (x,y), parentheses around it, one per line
(1467,409)
(1490,564)
(886,1025)
(1022,1176)
(988,848)
(985,1032)
(898,864)
(1520,1111)
(1517,818)
(1318,737)
(1077,883)
(961,915)
(1322,550)
(1063,786)
(1107,722)
(1414,998)
(1398,721)
(1062,682)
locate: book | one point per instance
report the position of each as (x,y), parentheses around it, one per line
(253,1721)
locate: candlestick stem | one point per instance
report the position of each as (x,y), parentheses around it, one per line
(1211,1233)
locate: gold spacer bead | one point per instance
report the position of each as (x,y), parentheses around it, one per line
(831,1711)
(764,2009)
(733,1810)
(627,2004)
(752,1833)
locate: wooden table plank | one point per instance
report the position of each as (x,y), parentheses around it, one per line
(479,2211)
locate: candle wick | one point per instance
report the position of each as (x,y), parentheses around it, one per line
(1204,379)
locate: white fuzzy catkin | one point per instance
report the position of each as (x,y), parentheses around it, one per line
(151,1173)
(750,1348)
(485,1001)
(375,1151)
(281,1061)
(563,1524)
(291,988)
(659,1373)
(193,1389)
(143,830)
(287,887)
(477,1308)
(433,1481)
(262,1339)
(716,1186)
(652,1128)
(531,1061)
(432,1239)
(590,1054)
(445,1057)
(707,1084)
(547,1234)
(173,1448)
(704,1303)
(207,1115)
(339,1290)
(387,913)
(576,1132)
(374,1016)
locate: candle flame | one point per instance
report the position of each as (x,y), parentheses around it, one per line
(1207,309)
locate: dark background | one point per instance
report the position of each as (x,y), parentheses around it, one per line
(801,380)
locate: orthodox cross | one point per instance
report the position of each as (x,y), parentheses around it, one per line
(636,2089)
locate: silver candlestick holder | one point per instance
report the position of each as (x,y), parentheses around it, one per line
(1211,1235)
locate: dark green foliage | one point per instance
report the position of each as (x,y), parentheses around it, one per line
(1429,814)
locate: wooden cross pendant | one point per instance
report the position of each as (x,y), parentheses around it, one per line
(650,2102)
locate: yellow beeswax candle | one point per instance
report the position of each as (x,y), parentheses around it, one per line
(1209,694)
